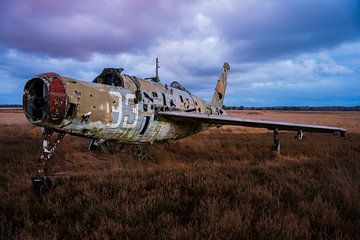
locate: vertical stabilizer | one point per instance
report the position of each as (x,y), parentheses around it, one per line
(219,93)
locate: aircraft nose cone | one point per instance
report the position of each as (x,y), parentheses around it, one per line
(44,99)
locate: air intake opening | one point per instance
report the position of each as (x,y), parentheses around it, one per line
(36,99)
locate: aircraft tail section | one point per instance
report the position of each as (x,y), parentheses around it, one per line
(217,101)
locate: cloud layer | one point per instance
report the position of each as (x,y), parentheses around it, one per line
(305,49)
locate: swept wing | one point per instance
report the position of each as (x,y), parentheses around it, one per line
(229,120)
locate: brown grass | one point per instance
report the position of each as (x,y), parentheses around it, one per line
(220,184)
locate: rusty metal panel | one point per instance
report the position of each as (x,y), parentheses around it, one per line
(90,100)
(58,100)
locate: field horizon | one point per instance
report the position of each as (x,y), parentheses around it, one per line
(218,184)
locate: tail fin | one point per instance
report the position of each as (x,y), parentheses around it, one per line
(217,101)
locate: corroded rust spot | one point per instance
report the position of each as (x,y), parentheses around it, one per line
(58,100)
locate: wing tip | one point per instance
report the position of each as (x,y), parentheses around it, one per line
(340,132)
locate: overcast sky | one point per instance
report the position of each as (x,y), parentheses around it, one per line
(281,52)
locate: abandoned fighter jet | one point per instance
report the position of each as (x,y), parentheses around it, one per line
(127,109)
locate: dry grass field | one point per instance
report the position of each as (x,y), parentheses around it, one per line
(219,184)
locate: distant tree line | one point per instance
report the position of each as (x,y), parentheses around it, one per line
(10,106)
(296,108)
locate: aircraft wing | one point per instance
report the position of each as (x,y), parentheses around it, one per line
(228,120)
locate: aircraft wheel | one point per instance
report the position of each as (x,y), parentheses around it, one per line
(139,152)
(96,147)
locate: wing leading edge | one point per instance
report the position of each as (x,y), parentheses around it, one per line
(227,120)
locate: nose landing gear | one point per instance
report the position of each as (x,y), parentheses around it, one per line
(40,182)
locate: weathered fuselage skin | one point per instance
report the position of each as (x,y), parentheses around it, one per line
(98,111)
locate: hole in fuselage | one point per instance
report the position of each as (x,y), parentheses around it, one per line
(72,110)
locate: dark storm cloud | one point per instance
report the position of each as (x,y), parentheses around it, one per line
(79,28)
(269,44)
(258,30)
(252,30)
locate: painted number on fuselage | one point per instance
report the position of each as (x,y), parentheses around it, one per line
(134,112)
(116,112)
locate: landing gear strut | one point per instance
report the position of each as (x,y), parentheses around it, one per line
(40,182)
(299,135)
(276,148)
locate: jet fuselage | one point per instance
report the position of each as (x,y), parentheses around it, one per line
(125,113)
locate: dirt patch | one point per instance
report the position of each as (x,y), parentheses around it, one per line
(12,116)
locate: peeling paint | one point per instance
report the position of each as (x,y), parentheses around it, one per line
(117,113)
